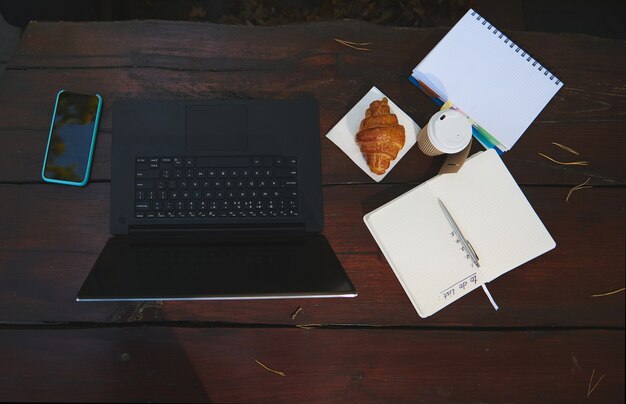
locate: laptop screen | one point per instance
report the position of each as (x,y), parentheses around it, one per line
(177,267)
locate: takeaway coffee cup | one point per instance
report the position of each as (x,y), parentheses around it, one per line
(447,131)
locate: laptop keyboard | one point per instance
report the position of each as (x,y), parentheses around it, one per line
(215,187)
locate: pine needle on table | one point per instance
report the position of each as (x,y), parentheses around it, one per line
(308,326)
(609,293)
(591,389)
(569,163)
(577,187)
(270,369)
(566,148)
(354,45)
(295,313)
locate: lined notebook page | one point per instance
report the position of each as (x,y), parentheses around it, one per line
(491,211)
(414,236)
(489,78)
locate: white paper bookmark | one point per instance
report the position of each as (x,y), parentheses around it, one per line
(493,302)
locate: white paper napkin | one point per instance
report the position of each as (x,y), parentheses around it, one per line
(344,133)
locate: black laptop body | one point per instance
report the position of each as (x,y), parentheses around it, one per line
(216,200)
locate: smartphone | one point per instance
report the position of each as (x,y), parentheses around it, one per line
(72,138)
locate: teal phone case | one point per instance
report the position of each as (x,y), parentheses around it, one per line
(91,148)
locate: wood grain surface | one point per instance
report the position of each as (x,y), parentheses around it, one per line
(591,225)
(544,343)
(193,61)
(165,364)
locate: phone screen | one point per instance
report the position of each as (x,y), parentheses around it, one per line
(71,137)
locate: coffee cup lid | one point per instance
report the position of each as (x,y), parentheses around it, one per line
(450,131)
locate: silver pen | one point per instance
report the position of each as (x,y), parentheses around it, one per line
(466,244)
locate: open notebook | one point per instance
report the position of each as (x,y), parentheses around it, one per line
(491,211)
(481,72)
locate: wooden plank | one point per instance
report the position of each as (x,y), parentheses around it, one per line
(592,77)
(218,365)
(337,84)
(591,102)
(24,150)
(185,45)
(36,88)
(43,270)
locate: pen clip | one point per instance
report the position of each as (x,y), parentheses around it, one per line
(473,252)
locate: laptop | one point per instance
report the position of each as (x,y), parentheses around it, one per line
(216,200)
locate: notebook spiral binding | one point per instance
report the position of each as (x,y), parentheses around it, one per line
(518,50)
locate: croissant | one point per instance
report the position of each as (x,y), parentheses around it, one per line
(380,137)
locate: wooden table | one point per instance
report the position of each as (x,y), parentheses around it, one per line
(551,340)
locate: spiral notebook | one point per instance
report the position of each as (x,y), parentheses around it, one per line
(492,213)
(483,73)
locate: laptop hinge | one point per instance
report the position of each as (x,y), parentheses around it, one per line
(216,228)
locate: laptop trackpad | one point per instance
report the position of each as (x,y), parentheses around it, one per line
(216,127)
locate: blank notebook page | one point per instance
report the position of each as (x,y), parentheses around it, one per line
(491,211)
(489,78)
(414,236)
